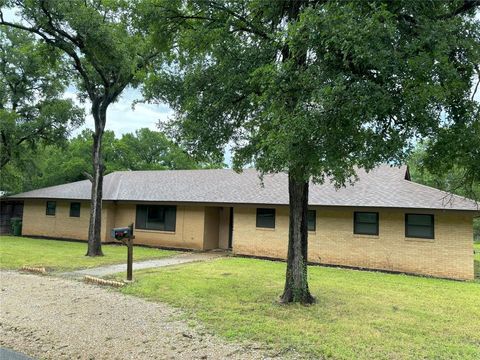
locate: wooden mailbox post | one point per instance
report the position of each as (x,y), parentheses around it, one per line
(125,235)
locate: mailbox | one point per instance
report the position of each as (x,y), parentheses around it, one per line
(121,233)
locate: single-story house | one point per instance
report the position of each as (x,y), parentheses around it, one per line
(384,221)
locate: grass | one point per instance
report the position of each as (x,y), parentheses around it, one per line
(476,262)
(359,314)
(65,255)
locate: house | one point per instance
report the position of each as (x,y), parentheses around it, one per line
(384,221)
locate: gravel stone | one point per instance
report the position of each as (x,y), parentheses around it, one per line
(56,318)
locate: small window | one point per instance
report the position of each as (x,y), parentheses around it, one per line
(419,226)
(51,207)
(312,220)
(156,217)
(266,218)
(365,223)
(75,209)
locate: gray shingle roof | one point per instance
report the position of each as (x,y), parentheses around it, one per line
(384,186)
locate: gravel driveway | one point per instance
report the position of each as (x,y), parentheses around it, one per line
(53,318)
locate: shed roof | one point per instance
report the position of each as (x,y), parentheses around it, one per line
(384,186)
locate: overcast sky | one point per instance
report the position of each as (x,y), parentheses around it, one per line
(122,118)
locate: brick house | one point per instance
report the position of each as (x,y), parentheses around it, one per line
(384,221)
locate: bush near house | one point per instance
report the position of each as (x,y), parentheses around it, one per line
(359,314)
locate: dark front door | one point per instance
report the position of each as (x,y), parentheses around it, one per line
(230,229)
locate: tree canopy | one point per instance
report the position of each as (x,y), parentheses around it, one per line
(448,176)
(106,50)
(343,83)
(58,164)
(32,107)
(313,88)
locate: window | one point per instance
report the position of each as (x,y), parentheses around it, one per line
(51,207)
(312,220)
(266,218)
(419,226)
(365,223)
(156,217)
(75,209)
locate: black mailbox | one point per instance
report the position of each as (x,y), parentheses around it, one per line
(121,233)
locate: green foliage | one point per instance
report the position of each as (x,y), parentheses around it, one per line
(106,53)
(361,314)
(32,83)
(96,39)
(65,255)
(449,177)
(58,164)
(453,177)
(313,88)
(454,152)
(151,150)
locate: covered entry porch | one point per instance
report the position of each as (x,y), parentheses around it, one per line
(218,228)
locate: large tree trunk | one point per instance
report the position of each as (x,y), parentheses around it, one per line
(296,284)
(95,226)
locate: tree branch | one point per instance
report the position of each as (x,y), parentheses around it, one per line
(478,82)
(88,176)
(62,45)
(75,40)
(249,27)
(467,6)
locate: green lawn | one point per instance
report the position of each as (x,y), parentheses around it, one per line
(65,255)
(476,246)
(359,314)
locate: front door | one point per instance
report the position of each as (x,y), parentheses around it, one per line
(230,229)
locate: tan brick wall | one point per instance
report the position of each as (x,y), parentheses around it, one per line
(211,227)
(188,234)
(250,240)
(449,255)
(61,225)
(108,220)
(189,229)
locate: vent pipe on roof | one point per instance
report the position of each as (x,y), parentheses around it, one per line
(407,174)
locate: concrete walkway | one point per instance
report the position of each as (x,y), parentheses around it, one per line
(148,264)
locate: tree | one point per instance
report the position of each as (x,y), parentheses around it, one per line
(106,54)
(447,176)
(151,150)
(455,151)
(32,82)
(313,88)
(61,163)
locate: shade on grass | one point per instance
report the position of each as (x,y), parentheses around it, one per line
(359,314)
(65,255)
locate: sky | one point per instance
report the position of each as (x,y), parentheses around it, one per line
(122,118)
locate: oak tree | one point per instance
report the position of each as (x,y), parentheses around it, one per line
(314,88)
(106,53)
(32,108)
